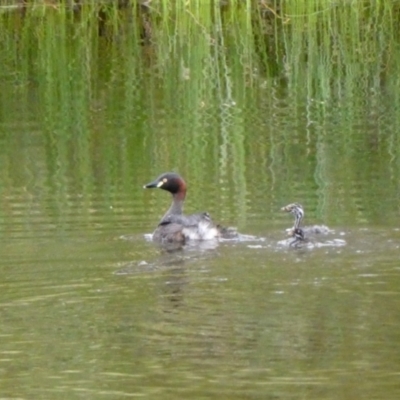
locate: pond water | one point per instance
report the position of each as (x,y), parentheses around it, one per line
(91,309)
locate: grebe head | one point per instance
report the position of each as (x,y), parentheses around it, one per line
(170,181)
(297,210)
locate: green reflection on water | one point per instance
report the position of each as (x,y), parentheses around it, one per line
(108,113)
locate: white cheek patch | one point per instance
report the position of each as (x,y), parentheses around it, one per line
(159,184)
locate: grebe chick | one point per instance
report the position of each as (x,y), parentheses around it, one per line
(298,211)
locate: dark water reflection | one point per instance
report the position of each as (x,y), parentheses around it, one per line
(89,308)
